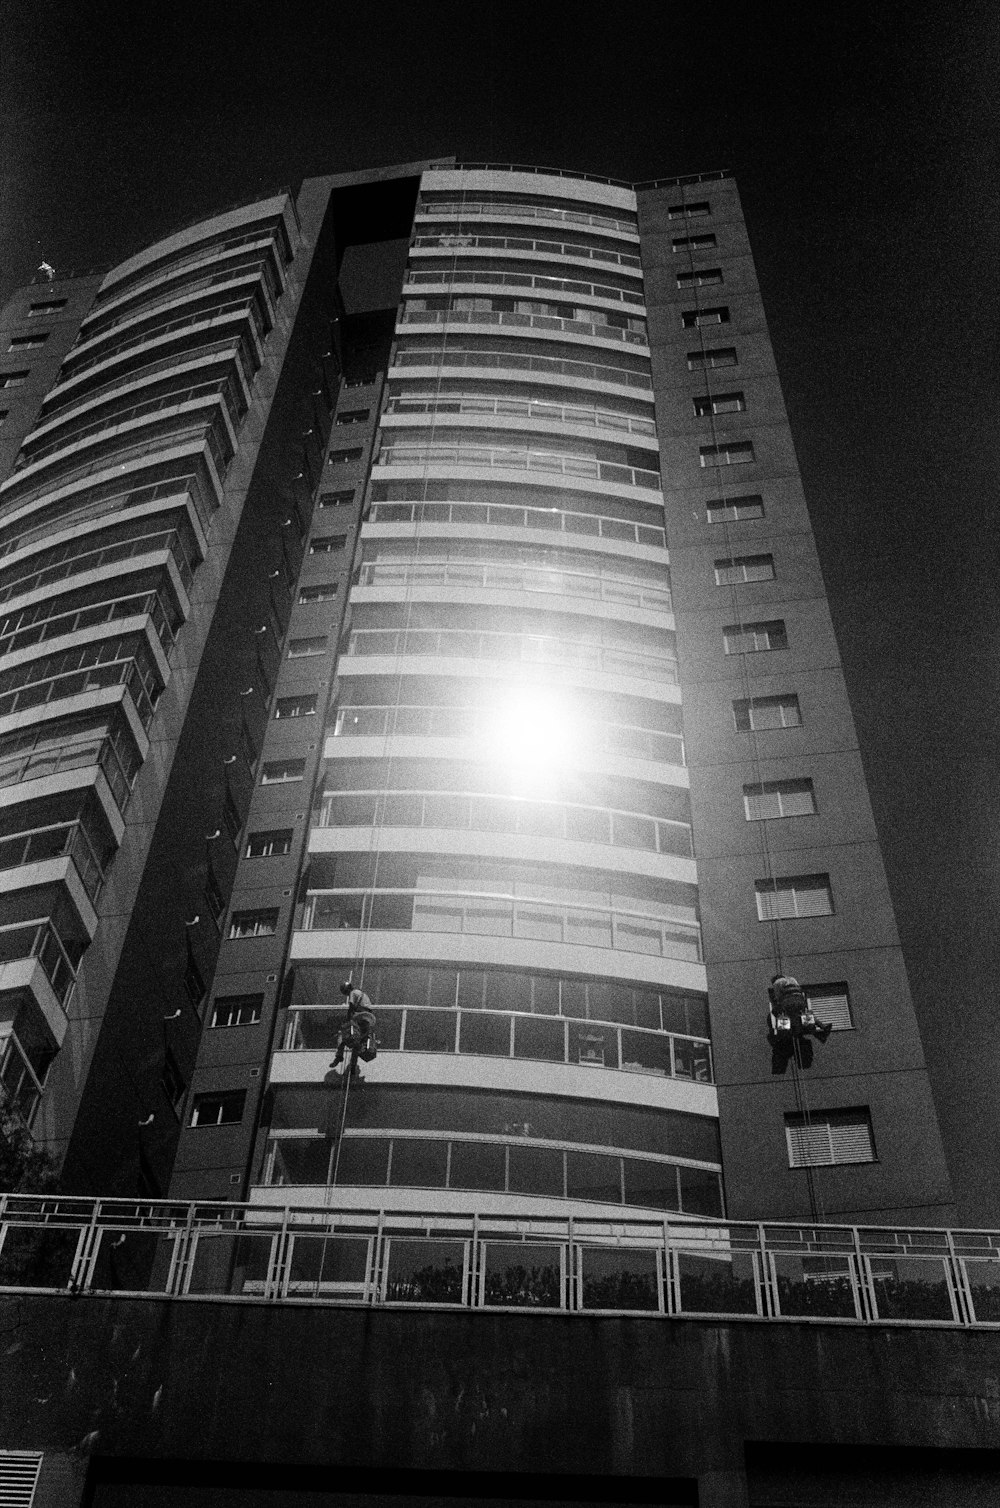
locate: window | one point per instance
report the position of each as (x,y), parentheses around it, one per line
(794,895)
(779,798)
(12,379)
(237,1010)
(732,510)
(48,306)
(221,1108)
(327,543)
(247,746)
(353,416)
(738,568)
(270,845)
(694,319)
(231,816)
(750,638)
(699,277)
(336,499)
(719,403)
(28,342)
(194,984)
(339,457)
(173,1085)
(3,414)
(715,356)
(733,453)
(296,706)
(281,771)
(829,1136)
(261,923)
(214,899)
(686,211)
(321,591)
(831,1003)
(694,243)
(756,714)
(298,649)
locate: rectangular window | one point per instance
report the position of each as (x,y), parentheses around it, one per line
(270,845)
(699,277)
(172,1083)
(336,499)
(237,1010)
(695,319)
(353,416)
(826,1137)
(13,379)
(28,342)
(296,706)
(261,923)
(715,356)
(221,1108)
(719,403)
(738,568)
(47,306)
(831,1004)
(752,638)
(214,899)
(281,771)
(794,895)
(757,714)
(732,510)
(687,211)
(299,649)
(341,457)
(327,543)
(321,591)
(779,798)
(733,453)
(231,816)
(694,243)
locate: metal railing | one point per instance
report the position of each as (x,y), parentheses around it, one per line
(638,1264)
(204,319)
(453,242)
(135,302)
(506,317)
(561,520)
(70,398)
(140,683)
(586,1044)
(502,209)
(56,842)
(484,914)
(94,560)
(140,604)
(205,254)
(602,586)
(111,422)
(76,753)
(39,939)
(530,649)
(403,453)
(475,812)
(515,361)
(405,721)
(525,408)
(80,508)
(452,277)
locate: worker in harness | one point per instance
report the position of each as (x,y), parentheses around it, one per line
(790,1022)
(357,1030)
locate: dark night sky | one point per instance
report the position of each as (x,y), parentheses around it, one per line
(865,141)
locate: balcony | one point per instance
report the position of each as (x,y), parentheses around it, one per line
(509,458)
(40,759)
(454,276)
(510,516)
(39,940)
(526,408)
(517,361)
(55,842)
(605,585)
(463,209)
(528,649)
(76,560)
(509,319)
(452,241)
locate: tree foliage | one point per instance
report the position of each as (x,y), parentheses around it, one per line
(24,1168)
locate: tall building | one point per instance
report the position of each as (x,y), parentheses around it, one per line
(410,581)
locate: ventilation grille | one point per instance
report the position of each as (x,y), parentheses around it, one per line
(18,1477)
(840,1138)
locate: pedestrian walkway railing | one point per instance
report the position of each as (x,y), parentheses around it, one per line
(656,1266)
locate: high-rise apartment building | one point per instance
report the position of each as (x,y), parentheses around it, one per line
(411,581)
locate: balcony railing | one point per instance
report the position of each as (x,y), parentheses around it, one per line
(205,319)
(502,915)
(463,209)
(454,242)
(404,721)
(141,686)
(498,1034)
(656,1268)
(516,361)
(39,939)
(530,649)
(95,560)
(600,586)
(83,507)
(401,453)
(526,408)
(467,811)
(561,520)
(55,842)
(69,398)
(140,604)
(453,276)
(522,322)
(75,753)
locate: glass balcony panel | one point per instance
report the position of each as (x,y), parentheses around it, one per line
(642,1053)
(425,1272)
(300,1160)
(633,832)
(535,1170)
(540,1037)
(37,1256)
(588,825)
(540,819)
(401,809)
(589,929)
(701,1192)
(430,1031)
(542,925)
(364,1162)
(653,1184)
(486,1034)
(618,1278)
(478,1165)
(717,1285)
(418,1164)
(522,1274)
(816,1287)
(328,1267)
(590,1175)
(911,1288)
(692,1060)
(983,1281)
(593,1046)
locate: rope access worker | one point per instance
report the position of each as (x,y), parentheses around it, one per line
(790,1021)
(357,1031)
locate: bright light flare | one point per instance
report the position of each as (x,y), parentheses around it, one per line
(533,735)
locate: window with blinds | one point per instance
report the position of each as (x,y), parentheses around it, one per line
(19,1477)
(827,1137)
(831,1004)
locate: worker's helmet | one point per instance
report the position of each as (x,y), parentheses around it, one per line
(346,987)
